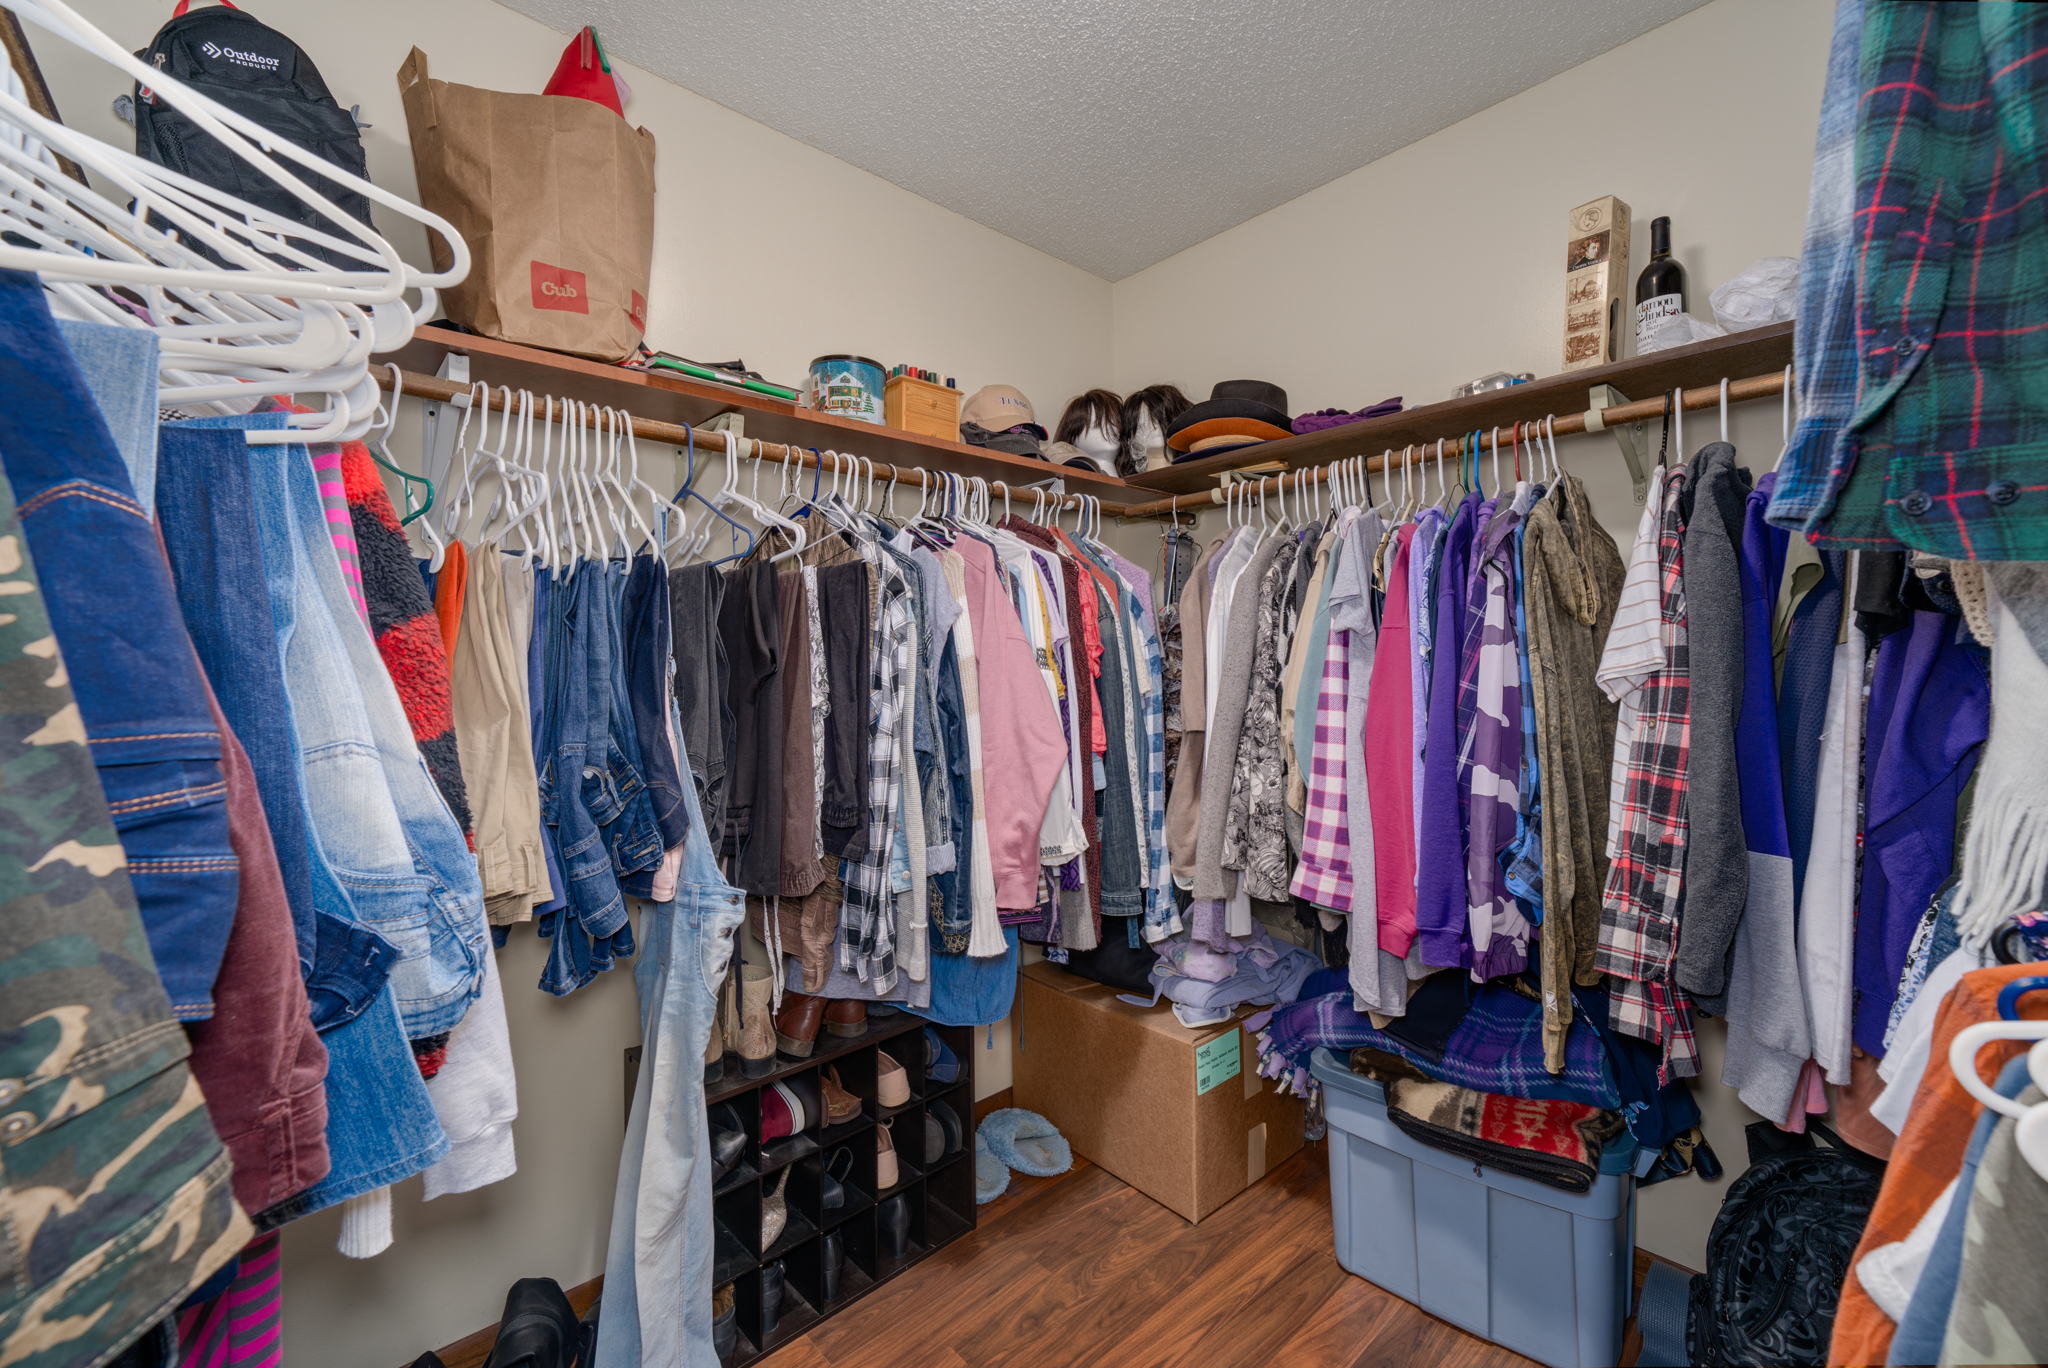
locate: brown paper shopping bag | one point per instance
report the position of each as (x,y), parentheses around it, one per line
(555,197)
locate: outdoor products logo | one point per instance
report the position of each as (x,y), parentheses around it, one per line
(556,287)
(257,60)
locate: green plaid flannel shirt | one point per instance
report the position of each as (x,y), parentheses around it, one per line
(1947,450)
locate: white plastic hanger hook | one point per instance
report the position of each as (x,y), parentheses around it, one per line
(1724,408)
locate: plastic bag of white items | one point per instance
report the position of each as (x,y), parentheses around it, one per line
(1766,292)
(1676,330)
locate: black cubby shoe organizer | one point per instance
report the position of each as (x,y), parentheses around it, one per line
(935,1179)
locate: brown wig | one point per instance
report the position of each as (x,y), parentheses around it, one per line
(1165,403)
(1096,408)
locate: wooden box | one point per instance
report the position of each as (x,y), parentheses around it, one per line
(921,407)
(1596,283)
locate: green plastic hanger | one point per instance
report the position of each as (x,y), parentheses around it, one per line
(375,444)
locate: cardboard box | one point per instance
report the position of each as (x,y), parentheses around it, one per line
(1595,283)
(1180,1115)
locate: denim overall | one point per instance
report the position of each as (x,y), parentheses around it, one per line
(657,1273)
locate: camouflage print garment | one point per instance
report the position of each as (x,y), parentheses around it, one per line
(114,1195)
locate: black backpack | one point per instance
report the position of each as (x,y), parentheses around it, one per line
(1780,1251)
(252,69)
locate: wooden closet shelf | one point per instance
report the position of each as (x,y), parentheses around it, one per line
(1759,350)
(677,400)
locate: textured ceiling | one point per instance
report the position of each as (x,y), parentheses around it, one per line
(1111,133)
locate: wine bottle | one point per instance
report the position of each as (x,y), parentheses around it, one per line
(1660,289)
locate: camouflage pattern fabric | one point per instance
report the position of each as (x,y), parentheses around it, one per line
(114,1195)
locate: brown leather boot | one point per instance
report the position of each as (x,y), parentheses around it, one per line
(846,1017)
(757,1026)
(796,1025)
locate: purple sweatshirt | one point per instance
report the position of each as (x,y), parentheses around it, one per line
(1930,706)
(1440,911)
(1490,750)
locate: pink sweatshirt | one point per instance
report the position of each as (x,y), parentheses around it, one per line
(1390,760)
(1023,747)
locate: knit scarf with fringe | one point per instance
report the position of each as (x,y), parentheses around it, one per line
(2005,855)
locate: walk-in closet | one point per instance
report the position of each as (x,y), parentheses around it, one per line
(791,686)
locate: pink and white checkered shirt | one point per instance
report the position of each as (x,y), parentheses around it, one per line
(1324,875)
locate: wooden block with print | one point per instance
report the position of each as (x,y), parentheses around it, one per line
(1595,279)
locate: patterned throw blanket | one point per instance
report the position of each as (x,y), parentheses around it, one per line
(1557,1144)
(1496,1048)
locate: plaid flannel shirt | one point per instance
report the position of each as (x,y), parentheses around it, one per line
(1323,876)
(867,916)
(1944,450)
(1824,335)
(1639,914)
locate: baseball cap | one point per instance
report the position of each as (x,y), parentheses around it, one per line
(1000,408)
(1067,454)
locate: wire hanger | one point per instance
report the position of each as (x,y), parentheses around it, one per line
(689,491)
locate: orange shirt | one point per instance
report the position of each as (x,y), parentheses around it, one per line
(450,583)
(1929,1153)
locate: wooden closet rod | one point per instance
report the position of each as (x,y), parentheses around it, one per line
(1708,396)
(675,434)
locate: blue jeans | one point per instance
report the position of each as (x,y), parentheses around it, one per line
(442,971)
(138,686)
(206,508)
(632,831)
(541,726)
(657,1268)
(357,822)
(119,365)
(644,614)
(381,1125)
(587,785)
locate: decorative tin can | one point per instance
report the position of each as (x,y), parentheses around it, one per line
(846,386)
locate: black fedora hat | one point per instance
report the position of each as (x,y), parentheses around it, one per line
(1235,408)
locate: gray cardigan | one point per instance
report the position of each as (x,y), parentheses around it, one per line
(1716,852)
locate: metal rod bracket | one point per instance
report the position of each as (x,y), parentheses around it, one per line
(1628,436)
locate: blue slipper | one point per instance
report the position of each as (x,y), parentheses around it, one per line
(991,1175)
(1027,1142)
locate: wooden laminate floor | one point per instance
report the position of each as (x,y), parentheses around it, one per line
(1082,1269)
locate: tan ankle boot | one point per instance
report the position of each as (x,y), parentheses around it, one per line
(757,1023)
(714,1044)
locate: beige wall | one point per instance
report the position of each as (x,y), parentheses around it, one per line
(1444,261)
(1434,264)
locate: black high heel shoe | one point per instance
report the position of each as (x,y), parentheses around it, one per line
(892,1226)
(728,1139)
(831,1259)
(832,1181)
(774,1278)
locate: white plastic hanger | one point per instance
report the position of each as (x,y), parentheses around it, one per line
(268,316)
(1724,408)
(1784,419)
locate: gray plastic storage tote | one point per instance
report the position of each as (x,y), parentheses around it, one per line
(1543,1272)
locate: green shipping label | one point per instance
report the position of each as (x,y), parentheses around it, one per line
(1216,1062)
